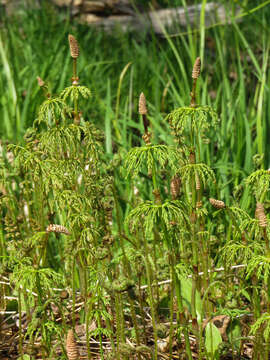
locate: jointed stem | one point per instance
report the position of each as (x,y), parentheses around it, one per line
(20,323)
(75,82)
(193,94)
(74,68)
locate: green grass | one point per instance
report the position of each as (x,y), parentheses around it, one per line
(235,78)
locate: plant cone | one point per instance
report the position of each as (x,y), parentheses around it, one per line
(40,81)
(142,105)
(74,47)
(175,186)
(71,346)
(260,215)
(57,229)
(218,204)
(196,68)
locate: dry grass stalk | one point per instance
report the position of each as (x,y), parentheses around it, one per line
(260,215)
(196,68)
(218,204)
(74,47)
(57,229)
(71,346)
(142,105)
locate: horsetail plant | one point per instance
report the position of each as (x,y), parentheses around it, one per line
(65,213)
(60,167)
(189,125)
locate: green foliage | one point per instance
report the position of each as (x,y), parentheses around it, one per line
(259,265)
(252,229)
(38,327)
(239,252)
(241,217)
(151,214)
(204,173)
(26,276)
(52,111)
(259,182)
(147,155)
(74,92)
(196,119)
(121,244)
(212,340)
(262,326)
(186,286)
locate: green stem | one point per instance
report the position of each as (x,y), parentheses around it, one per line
(257,312)
(181,315)
(39,289)
(155,243)
(82,274)
(150,291)
(155,189)
(152,305)
(100,337)
(266,240)
(195,274)
(154,173)
(127,268)
(43,252)
(259,120)
(131,301)
(20,323)
(171,261)
(118,326)
(27,307)
(195,262)
(87,312)
(122,318)
(76,113)
(193,93)
(110,328)
(141,309)
(44,337)
(73,292)
(74,67)
(267,346)
(135,324)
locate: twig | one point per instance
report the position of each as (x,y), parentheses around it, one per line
(164,282)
